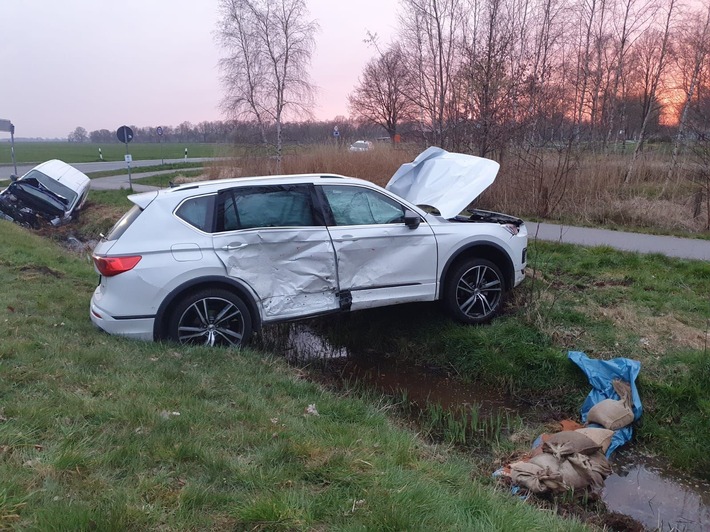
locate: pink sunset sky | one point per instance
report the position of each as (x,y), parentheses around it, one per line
(99,64)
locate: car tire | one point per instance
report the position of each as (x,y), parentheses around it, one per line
(474,291)
(211,317)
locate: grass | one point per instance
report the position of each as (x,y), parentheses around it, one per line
(73,152)
(97,432)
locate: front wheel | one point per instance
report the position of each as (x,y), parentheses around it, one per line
(474,291)
(213,317)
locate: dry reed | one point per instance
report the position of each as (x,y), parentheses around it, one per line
(590,191)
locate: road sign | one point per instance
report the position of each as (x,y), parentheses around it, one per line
(159,131)
(125,134)
(6,125)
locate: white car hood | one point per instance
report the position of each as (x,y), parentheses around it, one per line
(446,181)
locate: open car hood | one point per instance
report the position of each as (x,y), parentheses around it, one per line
(449,182)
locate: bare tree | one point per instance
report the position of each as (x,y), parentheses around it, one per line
(381,94)
(654,52)
(629,17)
(695,49)
(430,33)
(270,44)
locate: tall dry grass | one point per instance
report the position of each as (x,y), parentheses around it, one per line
(585,188)
(376,165)
(592,192)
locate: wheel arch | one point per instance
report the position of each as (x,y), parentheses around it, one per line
(194,285)
(483,250)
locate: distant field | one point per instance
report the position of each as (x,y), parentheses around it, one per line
(35,152)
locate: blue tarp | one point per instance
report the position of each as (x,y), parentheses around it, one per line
(601,373)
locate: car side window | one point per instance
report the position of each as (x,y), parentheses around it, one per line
(198,212)
(266,206)
(362,206)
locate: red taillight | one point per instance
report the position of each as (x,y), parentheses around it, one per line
(110,266)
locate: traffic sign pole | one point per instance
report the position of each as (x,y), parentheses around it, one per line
(128,163)
(159,131)
(12,146)
(125,135)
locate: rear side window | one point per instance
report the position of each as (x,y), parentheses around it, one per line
(198,212)
(267,206)
(124,223)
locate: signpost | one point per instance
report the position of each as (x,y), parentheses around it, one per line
(125,135)
(6,125)
(159,131)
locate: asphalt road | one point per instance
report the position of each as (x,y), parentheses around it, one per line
(685,248)
(7,170)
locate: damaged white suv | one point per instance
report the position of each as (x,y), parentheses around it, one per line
(210,262)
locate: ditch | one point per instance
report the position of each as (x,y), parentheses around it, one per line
(642,493)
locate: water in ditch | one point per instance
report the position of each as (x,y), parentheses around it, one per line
(641,487)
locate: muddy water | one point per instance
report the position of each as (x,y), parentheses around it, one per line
(641,487)
(644,488)
(300,344)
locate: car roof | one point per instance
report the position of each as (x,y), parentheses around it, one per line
(66,174)
(207,187)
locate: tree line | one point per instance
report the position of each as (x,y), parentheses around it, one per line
(238,132)
(480,75)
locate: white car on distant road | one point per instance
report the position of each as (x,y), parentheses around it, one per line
(210,262)
(361,145)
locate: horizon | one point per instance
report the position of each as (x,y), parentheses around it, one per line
(146,63)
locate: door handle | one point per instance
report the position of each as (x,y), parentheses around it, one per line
(233,246)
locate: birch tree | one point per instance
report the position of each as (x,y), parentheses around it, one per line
(269,45)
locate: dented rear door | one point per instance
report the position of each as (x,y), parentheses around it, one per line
(273,239)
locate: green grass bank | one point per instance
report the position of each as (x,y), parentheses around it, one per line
(87,152)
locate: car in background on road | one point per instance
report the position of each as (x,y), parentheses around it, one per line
(361,145)
(52,192)
(210,262)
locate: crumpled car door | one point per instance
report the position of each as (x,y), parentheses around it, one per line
(381,261)
(274,240)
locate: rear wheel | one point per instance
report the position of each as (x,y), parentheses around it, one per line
(474,291)
(212,317)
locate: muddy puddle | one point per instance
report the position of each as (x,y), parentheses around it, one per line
(645,489)
(641,487)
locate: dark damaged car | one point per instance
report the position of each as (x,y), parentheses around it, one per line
(51,193)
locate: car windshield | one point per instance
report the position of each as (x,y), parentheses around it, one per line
(63,196)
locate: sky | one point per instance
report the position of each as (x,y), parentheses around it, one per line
(100,64)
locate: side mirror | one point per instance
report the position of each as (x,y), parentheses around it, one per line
(13,178)
(411,219)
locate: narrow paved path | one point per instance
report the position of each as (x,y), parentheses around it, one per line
(671,246)
(7,170)
(116,182)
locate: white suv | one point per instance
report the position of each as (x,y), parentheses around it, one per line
(209,263)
